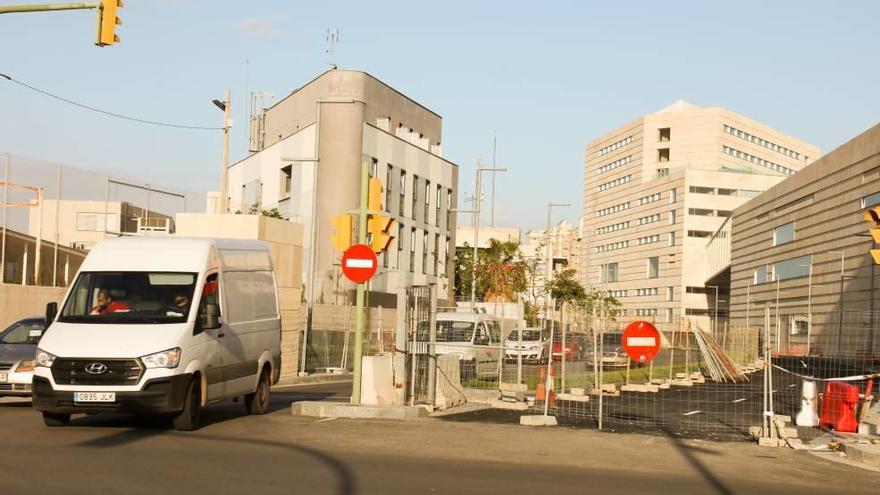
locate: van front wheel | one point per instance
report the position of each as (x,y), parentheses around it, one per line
(258,402)
(188,419)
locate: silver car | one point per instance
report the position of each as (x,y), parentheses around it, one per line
(18,345)
(533,347)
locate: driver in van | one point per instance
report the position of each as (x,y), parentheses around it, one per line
(105,304)
(179,307)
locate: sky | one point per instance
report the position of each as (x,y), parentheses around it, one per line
(544,77)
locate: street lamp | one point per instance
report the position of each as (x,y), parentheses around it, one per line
(477,200)
(225,106)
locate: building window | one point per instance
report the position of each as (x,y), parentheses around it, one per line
(412,249)
(672,238)
(872,200)
(664,134)
(425,252)
(783,234)
(663,155)
(448,209)
(727,150)
(389,174)
(701,212)
(616,163)
(668,315)
(670,294)
(446,257)
(402,206)
(427,201)
(436,252)
(673,196)
(662,172)
(614,183)
(438,200)
(745,136)
(609,273)
(699,233)
(761,274)
(671,217)
(792,268)
(696,312)
(415,196)
(616,145)
(286,173)
(653,267)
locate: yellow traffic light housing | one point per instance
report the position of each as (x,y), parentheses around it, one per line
(374,195)
(107,22)
(379,227)
(873,215)
(341,238)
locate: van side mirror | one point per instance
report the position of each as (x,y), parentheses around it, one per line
(51,313)
(209,318)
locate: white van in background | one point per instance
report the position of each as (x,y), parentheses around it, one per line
(162,326)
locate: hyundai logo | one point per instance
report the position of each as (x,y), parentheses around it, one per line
(96,368)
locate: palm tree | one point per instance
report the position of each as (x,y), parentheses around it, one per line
(501,271)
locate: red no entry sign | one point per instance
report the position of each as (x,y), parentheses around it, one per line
(641,341)
(359,263)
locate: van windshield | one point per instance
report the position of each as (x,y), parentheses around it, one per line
(530,335)
(130,297)
(455,331)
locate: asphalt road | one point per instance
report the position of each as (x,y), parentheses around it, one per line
(279,453)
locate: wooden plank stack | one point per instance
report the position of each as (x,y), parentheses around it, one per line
(721,368)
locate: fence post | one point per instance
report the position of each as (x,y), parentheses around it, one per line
(564,334)
(413,355)
(432,355)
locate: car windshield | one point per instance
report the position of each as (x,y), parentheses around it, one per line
(130,297)
(611,339)
(455,331)
(530,335)
(27,332)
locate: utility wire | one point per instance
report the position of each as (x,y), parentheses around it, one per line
(105,112)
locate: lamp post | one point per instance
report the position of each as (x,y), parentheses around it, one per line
(226,106)
(477,200)
(547,295)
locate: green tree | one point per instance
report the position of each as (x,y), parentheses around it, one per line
(564,288)
(255,209)
(501,271)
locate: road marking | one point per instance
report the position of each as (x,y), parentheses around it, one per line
(358,263)
(739,400)
(692,413)
(325,420)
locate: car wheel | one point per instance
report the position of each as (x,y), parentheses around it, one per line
(55,419)
(188,418)
(258,402)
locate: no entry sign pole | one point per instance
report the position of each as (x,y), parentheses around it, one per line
(361,290)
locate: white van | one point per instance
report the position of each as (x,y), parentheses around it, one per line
(162,326)
(470,334)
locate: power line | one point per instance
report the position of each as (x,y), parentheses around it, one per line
(105,112)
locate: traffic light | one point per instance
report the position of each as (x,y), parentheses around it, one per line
(873,215)
(379,227)
(107,22)
(341,237)
(374,195)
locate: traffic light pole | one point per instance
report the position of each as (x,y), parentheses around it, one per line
(47,7)
(361,291)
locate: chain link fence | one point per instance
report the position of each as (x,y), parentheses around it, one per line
(330,336)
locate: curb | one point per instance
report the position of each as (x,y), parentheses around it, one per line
(314,379)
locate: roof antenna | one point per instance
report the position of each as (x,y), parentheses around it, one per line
(330,51)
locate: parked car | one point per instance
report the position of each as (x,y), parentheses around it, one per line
(613,354)
(472,335)
(140,331)
(533,347)
(18,345)
(575,347)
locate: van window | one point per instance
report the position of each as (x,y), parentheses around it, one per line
(130,297)
(454,331)
(265,306)
(210,294)
(494,331)
(482,337)
(239,291)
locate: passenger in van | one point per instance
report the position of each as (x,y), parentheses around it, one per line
(179,307)
(105,304)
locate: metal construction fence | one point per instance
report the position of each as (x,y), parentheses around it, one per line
(330,336)
(701,384)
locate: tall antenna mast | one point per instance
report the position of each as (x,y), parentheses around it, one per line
(330,51)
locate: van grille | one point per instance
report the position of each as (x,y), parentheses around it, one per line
(119,372)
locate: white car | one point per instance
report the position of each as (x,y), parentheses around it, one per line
(533,346)
(162,326)
(18,345)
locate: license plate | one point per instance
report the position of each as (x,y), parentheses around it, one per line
(3,377)
(94,396)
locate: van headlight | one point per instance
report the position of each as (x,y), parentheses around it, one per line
(44,359)
(164,359)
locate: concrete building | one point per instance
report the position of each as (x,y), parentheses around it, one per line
(464,234)
(309,149)
(561,243)
(81,224)
(801,249)
(655,190)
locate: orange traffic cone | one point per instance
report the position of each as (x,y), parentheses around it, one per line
(540,390)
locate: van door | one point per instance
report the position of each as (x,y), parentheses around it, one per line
(208,341)
(482,341)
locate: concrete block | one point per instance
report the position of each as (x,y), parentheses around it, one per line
(514,387)
(577,391)
(609,387)
(658,381)
(481,396)
(514,406)
(640,387)
(318,409)
(756,431)
(537,420)
(770,442)
(682,383)
(664,386)
(681,376)
(790,432)
(605,393)
(513,396)
(783,418)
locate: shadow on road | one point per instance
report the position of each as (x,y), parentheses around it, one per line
(688,452)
